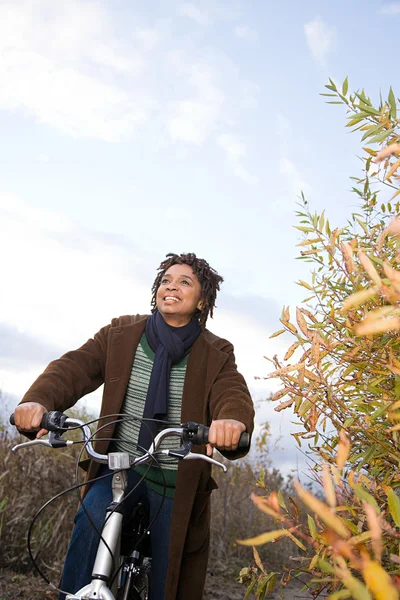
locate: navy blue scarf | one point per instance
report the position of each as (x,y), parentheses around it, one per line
(169,345)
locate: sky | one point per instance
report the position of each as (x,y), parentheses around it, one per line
(132,129)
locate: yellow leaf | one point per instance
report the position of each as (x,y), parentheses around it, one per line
(307,242)
(296,541)
(258,560)
(324,513)
(393,169)
(277,333)
(396,194)
(264,538)
(369,267)
(291,350)
(369,326)
(343,450)
(302,323)
(355,300)
(284,405)
(328,486)
(280,393)
(379,581)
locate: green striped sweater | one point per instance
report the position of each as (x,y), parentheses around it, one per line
(127,433)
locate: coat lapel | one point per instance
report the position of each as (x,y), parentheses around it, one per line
(122,345)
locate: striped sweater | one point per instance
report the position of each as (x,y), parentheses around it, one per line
(127,433)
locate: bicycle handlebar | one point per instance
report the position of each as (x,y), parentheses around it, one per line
(190,433)
(196,433)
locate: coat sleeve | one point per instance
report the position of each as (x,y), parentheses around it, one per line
(70,377)
(230,398)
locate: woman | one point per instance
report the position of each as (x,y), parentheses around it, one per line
(166,365)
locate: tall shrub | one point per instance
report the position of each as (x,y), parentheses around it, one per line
(341,377)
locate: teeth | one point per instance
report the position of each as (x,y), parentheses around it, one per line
(171,298)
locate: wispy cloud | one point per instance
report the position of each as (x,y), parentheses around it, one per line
(321,39)
(65,75)
(235,152)
(244,32)
(390,9)
(293,177)
(195,118)
(193,12)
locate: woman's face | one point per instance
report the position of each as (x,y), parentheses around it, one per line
(178,296)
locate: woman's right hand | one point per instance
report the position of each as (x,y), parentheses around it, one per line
(28,416)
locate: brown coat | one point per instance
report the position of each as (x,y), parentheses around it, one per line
(213,389)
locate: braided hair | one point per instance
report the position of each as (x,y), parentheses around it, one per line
(207,276)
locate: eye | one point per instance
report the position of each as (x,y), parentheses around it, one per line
(164,280)
(185,281)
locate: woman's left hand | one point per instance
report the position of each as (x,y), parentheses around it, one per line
(224,434)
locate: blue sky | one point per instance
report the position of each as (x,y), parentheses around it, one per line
(131,129)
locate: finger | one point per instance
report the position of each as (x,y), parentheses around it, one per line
(41,433)
(212,435)
(235,438)
(209,450)
(220,436)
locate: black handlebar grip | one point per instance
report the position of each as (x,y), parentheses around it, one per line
(201,437)
(53,420)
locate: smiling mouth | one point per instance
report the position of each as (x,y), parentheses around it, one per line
(171,298)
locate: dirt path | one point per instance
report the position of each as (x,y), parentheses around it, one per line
(15,586)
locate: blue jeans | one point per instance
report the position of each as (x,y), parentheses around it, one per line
(84,541)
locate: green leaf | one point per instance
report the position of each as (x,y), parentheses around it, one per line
(392,102)
(281,501)
(394,506)
(326,567)
(340,595)
(250,589)
(381,136)
(333,84)
(345,86)
(372,131)
(367,456)
(311,525)
(364,496)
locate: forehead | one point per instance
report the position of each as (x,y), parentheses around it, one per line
(177,270)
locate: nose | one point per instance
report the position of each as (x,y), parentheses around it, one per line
(171,286)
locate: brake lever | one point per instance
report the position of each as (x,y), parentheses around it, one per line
(193,456)
(53,441)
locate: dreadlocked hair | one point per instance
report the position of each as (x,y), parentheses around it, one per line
(207,276)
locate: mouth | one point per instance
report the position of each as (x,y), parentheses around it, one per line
(171,299)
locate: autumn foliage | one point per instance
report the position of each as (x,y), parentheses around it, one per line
(341,378)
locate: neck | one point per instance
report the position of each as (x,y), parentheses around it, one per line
(176,321)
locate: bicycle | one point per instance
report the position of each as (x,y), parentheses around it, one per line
(129,578)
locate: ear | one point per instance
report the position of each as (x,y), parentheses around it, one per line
(200,305)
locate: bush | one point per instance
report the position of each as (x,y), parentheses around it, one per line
(343,379)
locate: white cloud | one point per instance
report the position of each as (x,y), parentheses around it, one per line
(51,56)
(192,12)
(321,39)
(195,119)
(244,32)
(390,9)
(150,38)
(293,177)
(235,151)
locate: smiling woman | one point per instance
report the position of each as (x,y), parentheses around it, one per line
(166,366)
(179,295)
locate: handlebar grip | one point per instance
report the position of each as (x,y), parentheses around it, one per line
(201,437)
(52,421)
